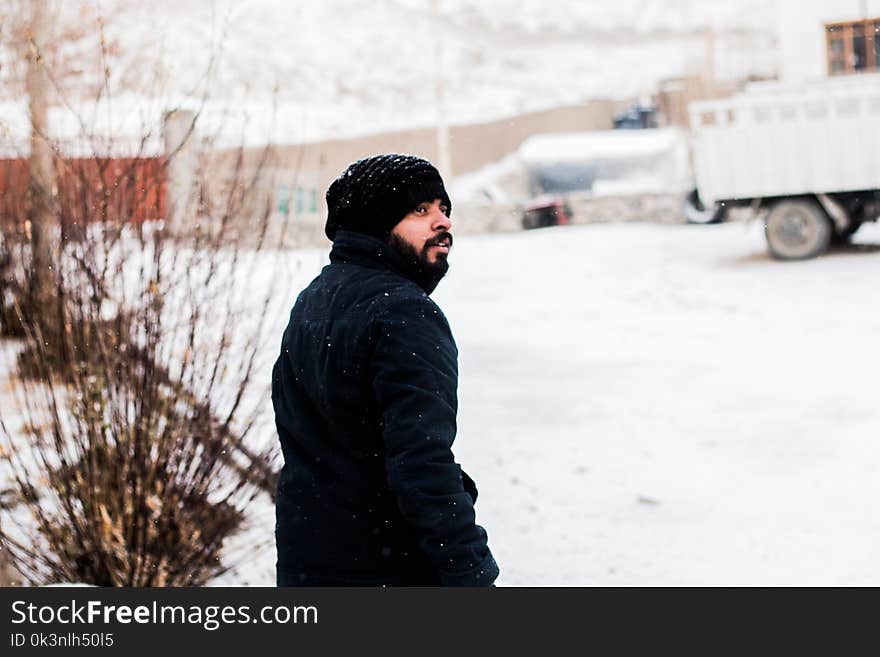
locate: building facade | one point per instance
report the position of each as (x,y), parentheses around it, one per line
(818,38)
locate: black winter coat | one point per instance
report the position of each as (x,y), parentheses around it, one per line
(365,398)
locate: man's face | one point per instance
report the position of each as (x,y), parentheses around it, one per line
(423,235)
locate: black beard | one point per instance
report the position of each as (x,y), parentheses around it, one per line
(434,271)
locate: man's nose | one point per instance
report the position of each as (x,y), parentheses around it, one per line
(441,221)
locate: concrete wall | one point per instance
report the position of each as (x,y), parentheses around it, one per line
(507,217)
(801,28)
(654,208)
(471,146)
(312,167)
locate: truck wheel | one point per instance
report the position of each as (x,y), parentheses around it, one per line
(696,213)
(797,229)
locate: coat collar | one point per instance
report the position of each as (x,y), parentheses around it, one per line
(368,251)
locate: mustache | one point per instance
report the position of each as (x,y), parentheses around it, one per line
(439,238)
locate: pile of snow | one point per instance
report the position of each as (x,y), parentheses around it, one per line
(498,182)
(587,164)
(599,145)
(617,162)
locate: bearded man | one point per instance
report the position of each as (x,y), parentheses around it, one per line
(365,398)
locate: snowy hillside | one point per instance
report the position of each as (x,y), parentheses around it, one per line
(340,67)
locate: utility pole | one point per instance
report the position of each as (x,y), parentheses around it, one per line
(178,127)
(42,185)
(710,60)
(444,156)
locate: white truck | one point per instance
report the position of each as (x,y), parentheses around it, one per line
(805,156)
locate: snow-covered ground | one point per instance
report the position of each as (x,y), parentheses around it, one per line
(652,405)
(647,405)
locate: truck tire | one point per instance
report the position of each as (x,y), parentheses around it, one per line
(797,229)
(696,213)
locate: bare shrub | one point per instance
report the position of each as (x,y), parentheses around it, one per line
(133,464)
(129,454)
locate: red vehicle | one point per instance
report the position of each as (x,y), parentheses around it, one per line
(546,210)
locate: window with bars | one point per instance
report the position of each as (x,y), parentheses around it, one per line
(853,46)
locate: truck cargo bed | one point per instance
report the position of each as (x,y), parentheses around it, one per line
(779,140)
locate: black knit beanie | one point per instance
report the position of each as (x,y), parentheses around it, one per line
(373,194)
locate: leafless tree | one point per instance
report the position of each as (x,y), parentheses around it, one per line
(131,454)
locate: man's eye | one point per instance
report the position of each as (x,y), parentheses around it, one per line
(444,209)
(421,209)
